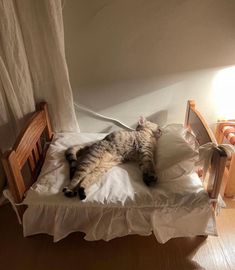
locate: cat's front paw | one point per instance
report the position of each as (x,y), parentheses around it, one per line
(69,192)
(149,179)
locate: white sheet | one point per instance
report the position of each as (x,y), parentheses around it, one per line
(117,205)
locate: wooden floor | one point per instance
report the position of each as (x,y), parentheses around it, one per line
(132,252)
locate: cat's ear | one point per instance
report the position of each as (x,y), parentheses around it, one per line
(142,120)
(158,133)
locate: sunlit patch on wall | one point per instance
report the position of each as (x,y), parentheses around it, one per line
(224,93)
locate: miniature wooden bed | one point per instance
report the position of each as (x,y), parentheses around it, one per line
(33,141)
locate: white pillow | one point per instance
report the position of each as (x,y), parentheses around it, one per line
(177,152)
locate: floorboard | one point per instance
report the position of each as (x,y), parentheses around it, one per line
(131,252)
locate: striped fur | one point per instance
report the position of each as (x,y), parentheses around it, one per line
(89,162)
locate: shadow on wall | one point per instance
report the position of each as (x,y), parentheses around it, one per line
(160,118)
(118,51)
(100,97)
(159,94)
(115,41)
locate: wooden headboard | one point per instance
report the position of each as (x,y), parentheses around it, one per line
(195,122)
(30,147)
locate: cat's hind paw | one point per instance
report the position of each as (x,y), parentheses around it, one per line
(69,192)
(81,193)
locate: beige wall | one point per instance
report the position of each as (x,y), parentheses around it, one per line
(146,57)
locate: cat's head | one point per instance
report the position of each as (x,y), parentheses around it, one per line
(145,124)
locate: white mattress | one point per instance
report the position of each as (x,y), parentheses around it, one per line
(117,205)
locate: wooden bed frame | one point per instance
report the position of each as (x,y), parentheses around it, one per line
(30,147)
(32,144)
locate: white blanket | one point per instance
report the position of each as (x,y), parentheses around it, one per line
(117,205)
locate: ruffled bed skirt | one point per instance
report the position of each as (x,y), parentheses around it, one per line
(107,223)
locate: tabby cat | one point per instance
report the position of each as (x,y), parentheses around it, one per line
(88,162)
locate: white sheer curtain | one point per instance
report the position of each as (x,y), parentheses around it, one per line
(32,67)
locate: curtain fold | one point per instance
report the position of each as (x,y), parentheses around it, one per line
(41,24)
(33,67)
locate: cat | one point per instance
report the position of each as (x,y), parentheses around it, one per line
(88,162)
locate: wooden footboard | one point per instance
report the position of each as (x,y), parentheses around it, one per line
(198,125)
(30,147)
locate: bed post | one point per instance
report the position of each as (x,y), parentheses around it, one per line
(14,179)
(218,165)
(12,170)
(190,105)
(42,106)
